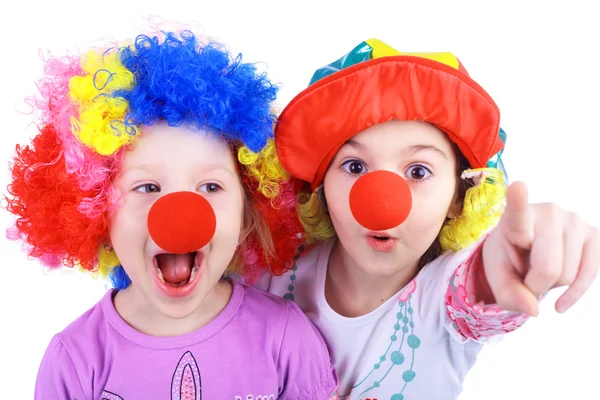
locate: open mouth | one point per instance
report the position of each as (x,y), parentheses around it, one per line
(381,238)
(379,241)
(177,270)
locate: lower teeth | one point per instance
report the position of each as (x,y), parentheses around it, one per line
(192,274)
(160,275)
(191,278)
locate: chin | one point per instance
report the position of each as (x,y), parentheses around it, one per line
(381,264)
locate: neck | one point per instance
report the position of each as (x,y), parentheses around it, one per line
(353,292)
(137,311)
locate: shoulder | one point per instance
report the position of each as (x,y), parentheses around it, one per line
(286,320)
(309,257)
(305,261)
(298,283)
(262,311)
(85,326)
(73,350)
(289,325)
(255,298)
(304,360)
(86,338)
(58,375)
(312,254)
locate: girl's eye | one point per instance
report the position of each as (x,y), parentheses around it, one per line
(210,188)
(354,167)
(148,188)
(418,172)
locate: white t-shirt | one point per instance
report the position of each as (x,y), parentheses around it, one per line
(418,345)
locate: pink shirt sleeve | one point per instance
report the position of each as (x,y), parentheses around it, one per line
(57,376)
(471,320)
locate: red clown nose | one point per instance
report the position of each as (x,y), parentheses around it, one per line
(181,222)
(380,200)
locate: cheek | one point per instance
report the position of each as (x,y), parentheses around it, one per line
(430,209)
(125,239)
(425,220)
(228,226)
(228,212)
(338,204)
(128,222)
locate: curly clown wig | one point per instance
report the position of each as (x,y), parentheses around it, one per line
(92,107)
(373,84)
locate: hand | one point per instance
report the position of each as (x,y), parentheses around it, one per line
(535,248)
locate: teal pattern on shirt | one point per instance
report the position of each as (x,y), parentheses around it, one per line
(396,354)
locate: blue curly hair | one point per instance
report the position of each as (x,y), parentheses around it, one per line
(201,87)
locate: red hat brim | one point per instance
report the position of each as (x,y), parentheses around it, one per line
(319,120)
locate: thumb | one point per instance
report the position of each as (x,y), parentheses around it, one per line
(511,293)
(517,221)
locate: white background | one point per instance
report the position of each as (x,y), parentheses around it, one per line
(538,59)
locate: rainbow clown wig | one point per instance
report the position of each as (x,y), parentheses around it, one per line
(373,84)
(94,106)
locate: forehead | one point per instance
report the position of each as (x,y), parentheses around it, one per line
(401,139)
(161,143)
(401,132)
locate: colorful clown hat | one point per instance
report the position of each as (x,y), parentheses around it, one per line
(375,83)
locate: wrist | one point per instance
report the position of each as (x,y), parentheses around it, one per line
(483,290)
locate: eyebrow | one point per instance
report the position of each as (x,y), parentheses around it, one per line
(354,144)
(411,149)
(138,168)
(425,147)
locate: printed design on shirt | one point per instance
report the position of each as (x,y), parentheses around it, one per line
(396,355)
(471,320)
(290,294)
(185,384)
(106,395)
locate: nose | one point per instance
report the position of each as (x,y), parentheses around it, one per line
(380,200)
(181,222)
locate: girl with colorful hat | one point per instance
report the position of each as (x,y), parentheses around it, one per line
(419,254)
(155,165)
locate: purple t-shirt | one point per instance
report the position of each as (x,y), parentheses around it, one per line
(259,347)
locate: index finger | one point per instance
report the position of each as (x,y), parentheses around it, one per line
(517,221)
(546,256)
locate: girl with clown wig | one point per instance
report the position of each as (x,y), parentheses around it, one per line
(155,166)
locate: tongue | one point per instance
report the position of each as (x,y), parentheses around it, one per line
(175,268)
